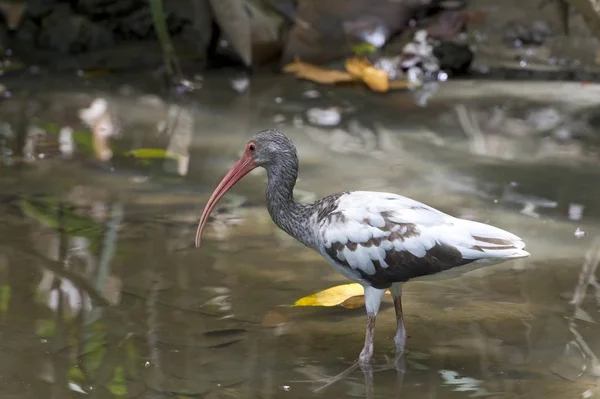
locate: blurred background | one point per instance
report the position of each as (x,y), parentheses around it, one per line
(119,117)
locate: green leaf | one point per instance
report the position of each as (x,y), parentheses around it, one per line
(152,153)
(363,49)
(82,138)
(45,328)
(46,211)
(117,386)
(75,374)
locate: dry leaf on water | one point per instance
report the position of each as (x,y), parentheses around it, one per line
(346,295)
(354,302)
(357,69)
(98,118)
(317,74)
(375,78)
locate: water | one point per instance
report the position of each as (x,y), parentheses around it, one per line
(101,291)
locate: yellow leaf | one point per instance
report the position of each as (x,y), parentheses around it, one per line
(376,79)
(350,296)
(354,302)
(317,74)
(399,84)
(332,296)
(152,153)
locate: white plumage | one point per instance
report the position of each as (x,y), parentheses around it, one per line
(381,224)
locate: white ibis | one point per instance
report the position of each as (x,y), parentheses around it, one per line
(379,240)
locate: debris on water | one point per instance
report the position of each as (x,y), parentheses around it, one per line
(298,121)
(285,388)
(186,86)
(311,94)
(279,118)
(571,365)
(376,79)
(240,84)
(427,91)
(529,210)
(587,394)
(65,141)
(76,388)
(575,211)
(278,100)
(519,34)
(99,119)
(368,29)
(463,384)
(317,74)
(579,233)
(34,135)
(331,116)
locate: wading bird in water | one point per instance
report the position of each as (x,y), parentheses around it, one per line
(379,240)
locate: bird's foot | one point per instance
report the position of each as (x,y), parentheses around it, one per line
(366,356)
(399,362)
(400,341)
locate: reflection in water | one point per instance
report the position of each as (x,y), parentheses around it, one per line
(100,292)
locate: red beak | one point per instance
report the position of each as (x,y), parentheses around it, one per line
(239,170)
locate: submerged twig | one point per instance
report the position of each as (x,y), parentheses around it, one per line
(470,126)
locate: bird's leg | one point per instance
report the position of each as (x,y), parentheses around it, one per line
(373,297)
(400,337)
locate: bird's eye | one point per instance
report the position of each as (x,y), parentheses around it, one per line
(252,147)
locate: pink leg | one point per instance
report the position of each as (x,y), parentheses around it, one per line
(400,337)
(373,297)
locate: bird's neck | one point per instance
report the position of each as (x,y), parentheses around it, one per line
(289,215)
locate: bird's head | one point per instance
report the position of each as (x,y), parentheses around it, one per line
(267,148)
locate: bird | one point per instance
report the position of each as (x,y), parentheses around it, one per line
(379,240)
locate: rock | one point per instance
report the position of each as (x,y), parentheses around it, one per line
(67,32)
(519,34)
(3,36)
(326,26)
(196,31)
(453,58)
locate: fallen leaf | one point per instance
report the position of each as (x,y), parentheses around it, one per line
(317,74)
(363,49)
(152,153)
(334,296)
(399,84)
(354,302)
(375,78)
(273,319)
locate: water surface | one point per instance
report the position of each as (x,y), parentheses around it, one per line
(103,295)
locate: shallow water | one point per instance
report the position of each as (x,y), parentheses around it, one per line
(102,294)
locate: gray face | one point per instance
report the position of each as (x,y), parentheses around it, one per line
(270,146)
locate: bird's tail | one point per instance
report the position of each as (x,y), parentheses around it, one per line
(489,242)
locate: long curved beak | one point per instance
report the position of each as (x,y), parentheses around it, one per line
(239,170)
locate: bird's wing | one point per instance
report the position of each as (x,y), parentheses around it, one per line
(389,237)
